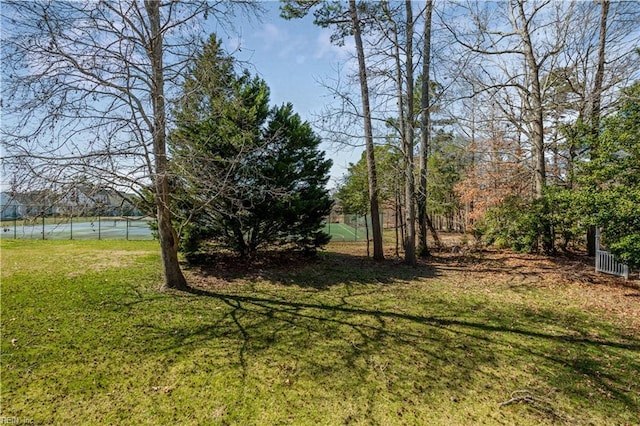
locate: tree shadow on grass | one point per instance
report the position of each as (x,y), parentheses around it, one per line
(272,305)
(408,346)
(320,272)
(408,355)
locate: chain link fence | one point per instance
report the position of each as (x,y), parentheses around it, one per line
(43,224)
(353,227)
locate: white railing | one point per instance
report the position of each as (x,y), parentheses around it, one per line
(607,263)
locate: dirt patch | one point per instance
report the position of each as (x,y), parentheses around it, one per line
(224,269)
(100,261)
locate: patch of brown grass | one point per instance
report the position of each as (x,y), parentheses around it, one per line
(485,270)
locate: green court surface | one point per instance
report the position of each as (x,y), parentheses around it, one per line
(97,228)
(342,232)
(123,228)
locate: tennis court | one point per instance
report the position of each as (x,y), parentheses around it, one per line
(98,228)
(122,228)
(343,232)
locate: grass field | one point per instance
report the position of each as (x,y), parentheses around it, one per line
(485,338)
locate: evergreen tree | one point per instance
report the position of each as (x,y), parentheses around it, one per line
(249,176)
(609,196)
(287,201)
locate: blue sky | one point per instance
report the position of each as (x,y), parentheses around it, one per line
(293,57)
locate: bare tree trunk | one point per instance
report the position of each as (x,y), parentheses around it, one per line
(407,144)
(401,207)
(397,221)
(536,106)
(405,127)
(537,118)
(243,248)
(378,253)
(366,228)
(425,133)
(434,232)
(173,277)
(401,116)
(596,96)
(599,77)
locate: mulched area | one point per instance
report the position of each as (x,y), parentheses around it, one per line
(573,275)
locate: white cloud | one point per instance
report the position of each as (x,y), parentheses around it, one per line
(272,36)
(325,49)
(282,43)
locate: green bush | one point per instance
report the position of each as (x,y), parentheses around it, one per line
(515,224)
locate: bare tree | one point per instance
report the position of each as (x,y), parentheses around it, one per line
(395,67)
(599,57)
(410,187)
(596,100)
(425,132)
(517,42)
(599,76)
(88,89)
(378,253)
(347,22)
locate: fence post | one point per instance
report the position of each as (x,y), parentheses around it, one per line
(99,228)
(597,249)
(127,233)
(355,229)
(43,224)
(606,262)
(15,225)
(71,227)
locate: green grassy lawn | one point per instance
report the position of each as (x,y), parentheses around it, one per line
(88,339)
